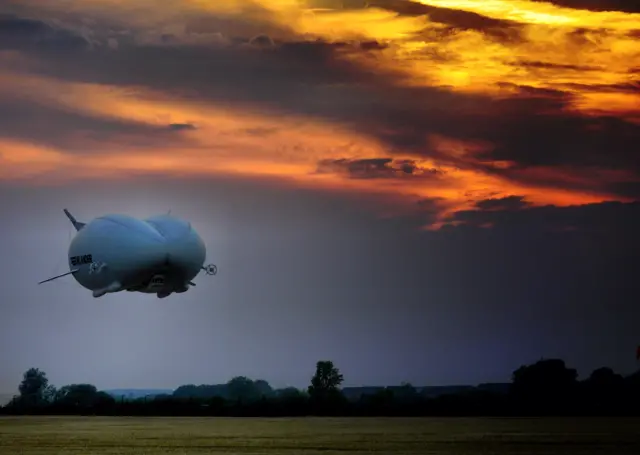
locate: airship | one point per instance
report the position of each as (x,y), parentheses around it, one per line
(113,253)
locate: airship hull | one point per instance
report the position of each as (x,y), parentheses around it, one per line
(114,253)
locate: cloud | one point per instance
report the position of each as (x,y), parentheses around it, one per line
(454,20)
(181,127)
(540,133)
(75,131)
(376,168)
(630,6)
(435,100)
(555,66)
(547,13)
(17,33)
(600,219)
(504,203)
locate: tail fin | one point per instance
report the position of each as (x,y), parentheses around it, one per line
(76,224)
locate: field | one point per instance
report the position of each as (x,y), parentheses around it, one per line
(305,436)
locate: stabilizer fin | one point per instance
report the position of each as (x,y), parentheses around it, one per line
(76,224)
(59,276)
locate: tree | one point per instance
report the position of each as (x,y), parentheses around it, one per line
(49,394)
(605,378)
(263,388)
(605,389)
(545,375)
(290,393)
(34,387)
(326,381)
(243,389)
(406,392)
(82,396)
(547,383)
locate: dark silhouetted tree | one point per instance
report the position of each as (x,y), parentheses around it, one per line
(49,394)
(406,392)
(34,387)
(82,396)
(290,393)
(324,390)
(244,389)
(201,391)
(605,390)
(546,384)
(546,387)
(240,388)
(605,378)
(263,387)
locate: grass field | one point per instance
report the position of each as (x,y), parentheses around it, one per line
(305,436)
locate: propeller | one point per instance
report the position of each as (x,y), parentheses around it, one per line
(210,269)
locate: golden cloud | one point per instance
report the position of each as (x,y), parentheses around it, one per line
(590,58)
(542,13)
(228,142)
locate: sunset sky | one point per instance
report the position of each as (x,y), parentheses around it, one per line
(433,191)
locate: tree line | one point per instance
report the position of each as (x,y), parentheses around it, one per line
(546,387)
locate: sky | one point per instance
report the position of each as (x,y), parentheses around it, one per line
(432,191)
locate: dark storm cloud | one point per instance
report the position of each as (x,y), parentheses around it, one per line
(182,127)
(456,20)
(548,65)
(372,45)
(295,77)
(376,168)
(559,139)
(17,33)
(539,97)
(505,203)
(54,126)
(262,40)
(630,87)
(626,189)
(603,219)
(253,20)
(219,73)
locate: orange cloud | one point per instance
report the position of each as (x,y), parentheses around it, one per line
(542,13)
(589,57)
(561,48)
(243,143)
(583,53)
(23,160)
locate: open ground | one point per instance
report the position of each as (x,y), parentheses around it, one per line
(304,436)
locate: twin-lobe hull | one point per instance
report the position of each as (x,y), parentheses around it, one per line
(115,253)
